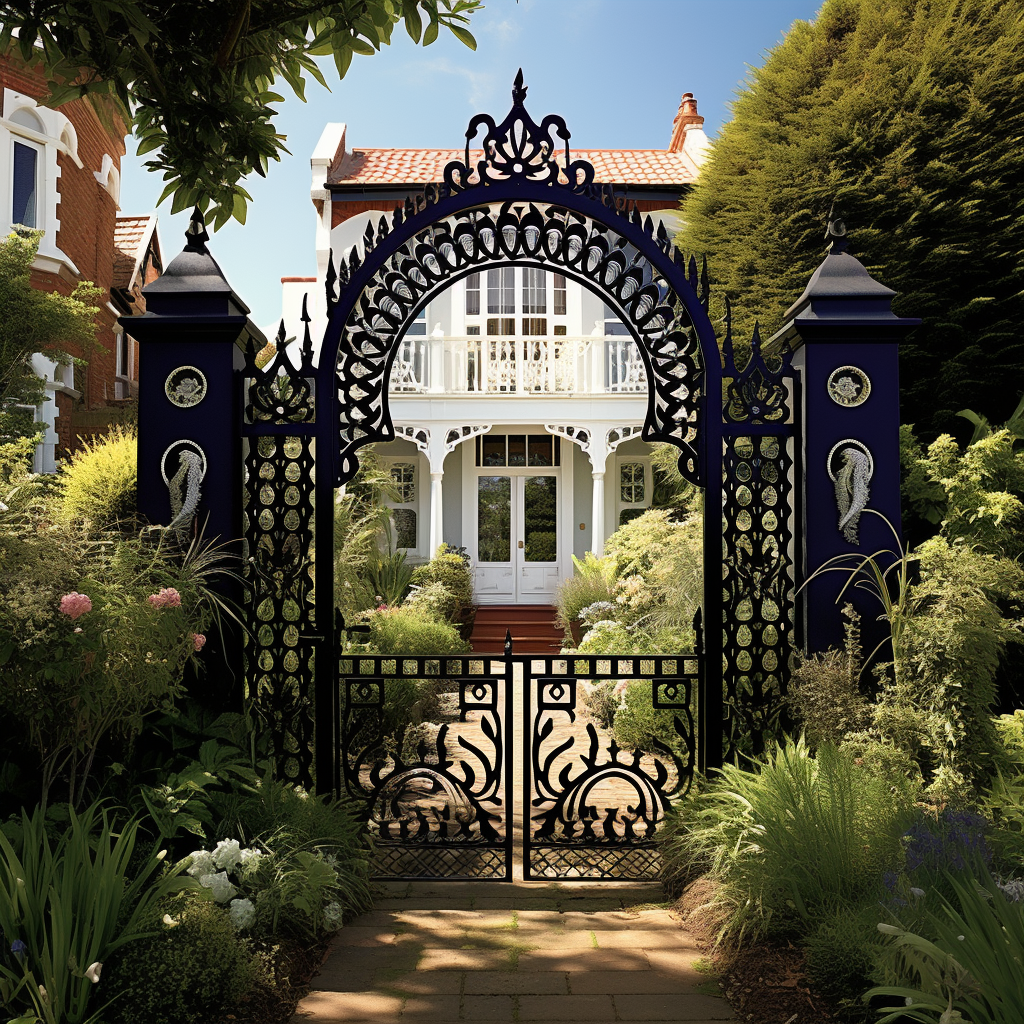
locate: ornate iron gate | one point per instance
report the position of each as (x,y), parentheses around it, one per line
(427,747)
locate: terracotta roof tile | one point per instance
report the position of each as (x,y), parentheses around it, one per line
(129,234)
(421,166)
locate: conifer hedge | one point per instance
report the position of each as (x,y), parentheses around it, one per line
(909,116)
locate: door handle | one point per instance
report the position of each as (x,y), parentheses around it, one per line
(520,543)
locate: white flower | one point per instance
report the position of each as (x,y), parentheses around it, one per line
(93,974)
(227,855)
(202,863)
(916,891)
(42,994)
(333,915)
(242,914)
(251,857)
(220,885)
(169,921)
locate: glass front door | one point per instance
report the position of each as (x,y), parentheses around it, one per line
(517,537)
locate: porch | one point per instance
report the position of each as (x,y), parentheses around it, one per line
(520,365)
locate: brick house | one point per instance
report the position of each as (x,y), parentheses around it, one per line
(534,377)
(60,172)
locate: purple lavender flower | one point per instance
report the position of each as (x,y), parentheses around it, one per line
(19,949)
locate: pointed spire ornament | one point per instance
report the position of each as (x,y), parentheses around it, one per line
(196,235)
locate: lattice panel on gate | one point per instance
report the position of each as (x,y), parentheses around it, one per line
(279,463)
(278,538)
(759,502)
(594,808)
(423,750)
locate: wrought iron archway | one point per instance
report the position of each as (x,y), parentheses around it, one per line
(516,205)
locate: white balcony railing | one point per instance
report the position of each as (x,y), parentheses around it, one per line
(518,366)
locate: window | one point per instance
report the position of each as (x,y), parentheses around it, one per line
(518,450)
(404,505)
(404,476)
(501,291)
(23,206)
(634,492)
(473,295)
(631,483)
(559,296)
(535,292)
(419,325)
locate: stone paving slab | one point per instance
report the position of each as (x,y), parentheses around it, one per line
(579,952)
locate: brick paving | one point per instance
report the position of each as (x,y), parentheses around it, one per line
(531,952)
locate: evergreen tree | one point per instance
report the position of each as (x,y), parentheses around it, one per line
(908,116)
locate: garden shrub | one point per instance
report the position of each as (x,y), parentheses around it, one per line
(67,903)
(406,630)
(93,637)
(963,962)
(592,582)
(841,953)
(948,652)
(451,569)
(434,601)
(388,575)
(187,972)
(1003,803)
(98,485)
(1010,730)
(824,689)
(794,840)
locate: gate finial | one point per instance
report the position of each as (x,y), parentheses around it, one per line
(196,235)
(518,89)
(835,233)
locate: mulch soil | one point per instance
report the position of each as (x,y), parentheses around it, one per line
(295,965)
(766,983)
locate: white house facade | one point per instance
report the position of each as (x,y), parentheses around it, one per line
(517,395)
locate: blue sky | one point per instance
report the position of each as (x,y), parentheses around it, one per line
(614,69)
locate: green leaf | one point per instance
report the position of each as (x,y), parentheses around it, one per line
(413,21)
(360,45)
(430,34)
(464,36)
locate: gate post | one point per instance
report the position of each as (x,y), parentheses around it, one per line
(189,470)
(845,339)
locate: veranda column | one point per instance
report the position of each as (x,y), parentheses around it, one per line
(845,338)
(598,455)
(436,512)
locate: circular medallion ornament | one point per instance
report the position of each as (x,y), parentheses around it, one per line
(835,457)
(848,386)
(185,386)
(174,456)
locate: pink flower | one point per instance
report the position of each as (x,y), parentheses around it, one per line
(74,604)
(198,640)
(167,598)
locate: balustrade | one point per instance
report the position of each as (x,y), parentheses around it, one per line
(519,366)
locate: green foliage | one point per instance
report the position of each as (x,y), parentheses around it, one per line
(185,973)
(905,114)
(1003,803)
(433,600)
(195,81)
(361,526)
(71,678)
(949,650)
(593,581)
(976,495)
(824,689)
(388,575)
(794,841)
(35,321)
(840,954)
(970,970)
(72,901)
(407,631)
(452,570)
(98,485)
(1010,730)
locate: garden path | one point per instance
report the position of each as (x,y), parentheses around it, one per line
(534,952)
